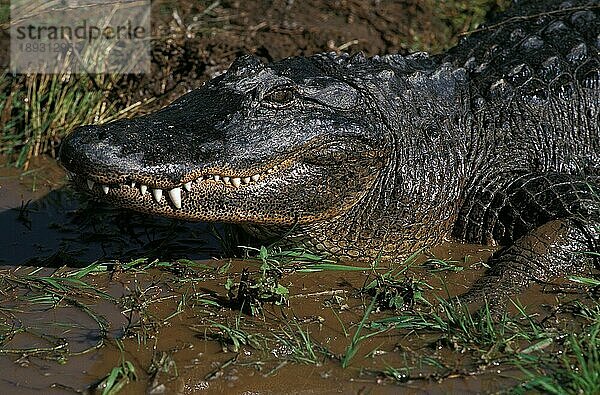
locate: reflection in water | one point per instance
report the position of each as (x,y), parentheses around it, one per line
(63,227)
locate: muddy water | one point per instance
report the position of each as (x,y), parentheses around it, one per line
(66,336)
(42,221)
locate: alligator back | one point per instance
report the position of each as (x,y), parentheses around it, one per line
(530,69)
(534,93)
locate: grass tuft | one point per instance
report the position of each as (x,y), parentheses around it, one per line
(301,347)
(37,111)
(119,376)
(576,370)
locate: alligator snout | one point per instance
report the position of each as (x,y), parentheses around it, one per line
(88,149)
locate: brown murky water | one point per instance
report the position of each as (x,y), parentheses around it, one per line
(63,330)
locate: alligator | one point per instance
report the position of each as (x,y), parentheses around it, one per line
(495,141)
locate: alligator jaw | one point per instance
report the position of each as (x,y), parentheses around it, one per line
(173,196)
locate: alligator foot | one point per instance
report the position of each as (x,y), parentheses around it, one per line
(559,247)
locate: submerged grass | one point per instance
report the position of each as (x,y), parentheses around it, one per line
(357,338)
(550,361)
(119,376)
(486,339)
(300,345)
(45,293)
(233,337)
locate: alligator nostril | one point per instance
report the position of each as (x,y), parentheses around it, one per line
(102,135)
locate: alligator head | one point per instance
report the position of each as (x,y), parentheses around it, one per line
(290,147)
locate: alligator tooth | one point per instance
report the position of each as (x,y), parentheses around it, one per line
(105,189)
(226,180)
(188,186)
(175,195)
(246,180)
(255,177)
(216,177)
(143,189)
(236,182)
(90,184)
(133,184)
(157,193)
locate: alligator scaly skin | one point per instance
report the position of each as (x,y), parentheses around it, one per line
(496,141)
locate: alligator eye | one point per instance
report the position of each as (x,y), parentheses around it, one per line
(281,97)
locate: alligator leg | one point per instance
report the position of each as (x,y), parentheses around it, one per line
(550,225)
(559,247)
